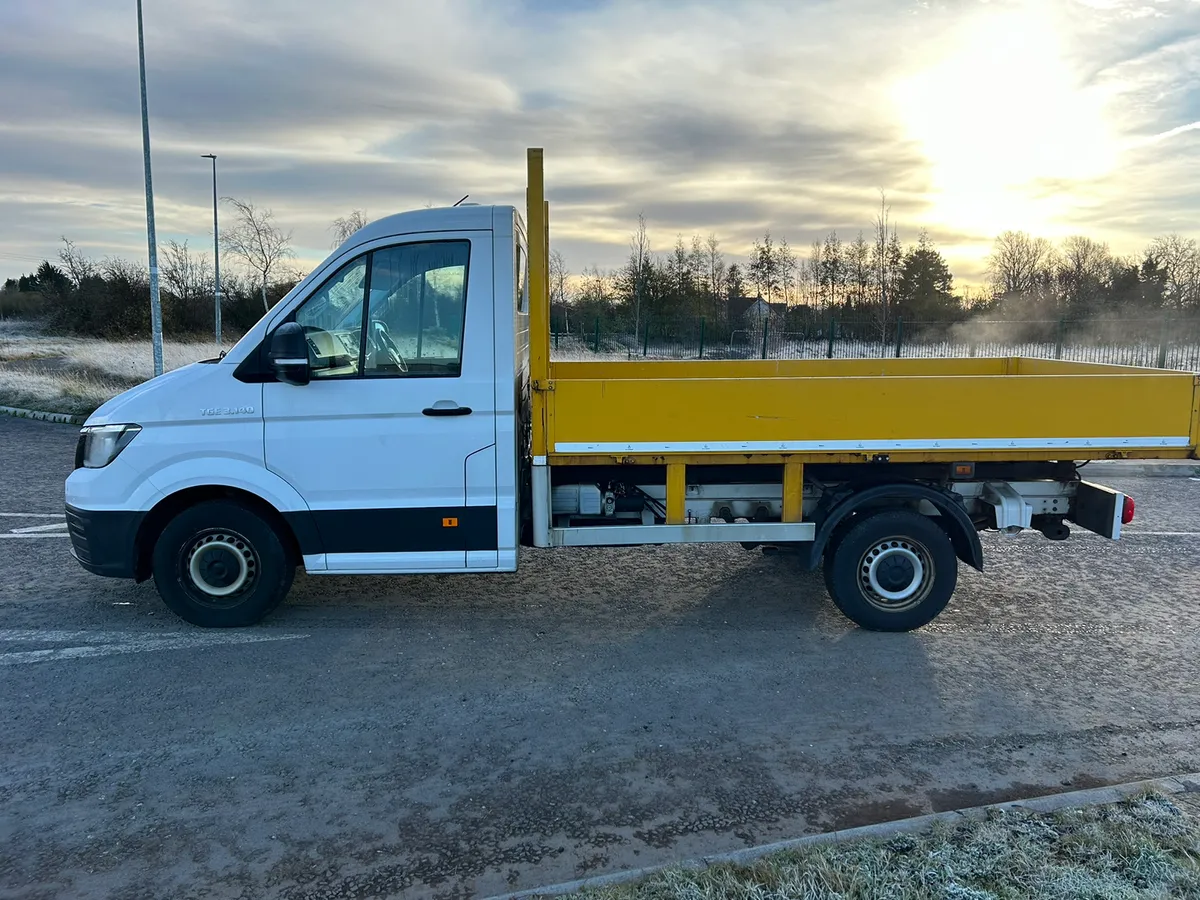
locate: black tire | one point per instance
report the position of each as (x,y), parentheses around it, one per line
(905,555)
(835,541)
(827,571)
(221,546)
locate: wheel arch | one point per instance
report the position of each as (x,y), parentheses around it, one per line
(173,504)
(953,519)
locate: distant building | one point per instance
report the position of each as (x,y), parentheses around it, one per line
(751,312)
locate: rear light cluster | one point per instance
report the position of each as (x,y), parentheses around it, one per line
(1128,510)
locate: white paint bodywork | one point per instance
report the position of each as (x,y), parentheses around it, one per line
(360,444)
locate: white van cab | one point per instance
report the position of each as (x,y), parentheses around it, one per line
(365,424)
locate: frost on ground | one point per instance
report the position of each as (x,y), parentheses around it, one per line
(1141,848)
(76,375)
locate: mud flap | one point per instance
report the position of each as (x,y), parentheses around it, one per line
(1098,508)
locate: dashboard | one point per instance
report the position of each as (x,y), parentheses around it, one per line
(333,352)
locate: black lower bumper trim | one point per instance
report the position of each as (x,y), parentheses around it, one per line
(104,541)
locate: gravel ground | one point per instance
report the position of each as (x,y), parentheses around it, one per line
(602,709)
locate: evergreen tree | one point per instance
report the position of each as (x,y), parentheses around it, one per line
(925,289)
(735,285)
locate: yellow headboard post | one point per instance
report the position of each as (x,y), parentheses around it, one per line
(538,217)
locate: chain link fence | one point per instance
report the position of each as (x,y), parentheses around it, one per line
(1163,341)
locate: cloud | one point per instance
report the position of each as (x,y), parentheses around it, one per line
(706,116)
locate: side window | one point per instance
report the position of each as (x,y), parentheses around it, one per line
(332,321)
(417,309)
(521,270)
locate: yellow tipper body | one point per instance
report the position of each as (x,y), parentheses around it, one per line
(842,410)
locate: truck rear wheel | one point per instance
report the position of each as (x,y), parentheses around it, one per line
(220,565)
(893,571)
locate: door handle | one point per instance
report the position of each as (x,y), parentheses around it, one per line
(447,410)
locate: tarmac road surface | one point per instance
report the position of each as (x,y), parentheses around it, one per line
(602,709)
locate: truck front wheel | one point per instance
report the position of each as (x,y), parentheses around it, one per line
(893,571)
(220,565)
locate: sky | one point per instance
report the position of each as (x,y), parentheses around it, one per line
(1057,117)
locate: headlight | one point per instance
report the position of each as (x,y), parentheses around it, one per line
(101,444)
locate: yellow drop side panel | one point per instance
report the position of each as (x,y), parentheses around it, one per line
(1030,365)
(639,369)
(1086,414)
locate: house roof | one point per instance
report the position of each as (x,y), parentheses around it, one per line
(737,307)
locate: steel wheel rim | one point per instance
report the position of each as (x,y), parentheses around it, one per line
(221,567)
(895,574)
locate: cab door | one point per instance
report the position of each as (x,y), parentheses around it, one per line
(399,410)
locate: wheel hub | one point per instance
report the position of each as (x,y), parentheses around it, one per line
(222,564)
(895,574)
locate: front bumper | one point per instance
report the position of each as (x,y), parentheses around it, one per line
(105,541)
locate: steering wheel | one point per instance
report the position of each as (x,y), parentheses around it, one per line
(381,339)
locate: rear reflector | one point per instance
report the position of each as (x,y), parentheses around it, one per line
(1128,510)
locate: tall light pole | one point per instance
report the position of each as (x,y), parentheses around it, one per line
(216,251)
(155,307)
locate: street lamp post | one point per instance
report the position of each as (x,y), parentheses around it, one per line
(155,307)
(216,251)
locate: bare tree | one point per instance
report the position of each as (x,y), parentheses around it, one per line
(124,272)
(185,275)
(679,265)
(715,263)
(558,285)
(814,268)
(78,266)
(344,226)
(1020,263)
(698,266)
(887,255)
(1084,274)
(858,269)
(595,298)
(639,261)
(785,262)
(764,267)
(833,268)
(257,241)
(1179,259)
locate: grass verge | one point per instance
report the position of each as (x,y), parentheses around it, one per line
(1145,847)
(76,375)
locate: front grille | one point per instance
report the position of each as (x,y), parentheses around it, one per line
(77,524)
(79,449)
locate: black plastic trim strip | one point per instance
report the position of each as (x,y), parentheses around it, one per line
(103,541)
(410,530)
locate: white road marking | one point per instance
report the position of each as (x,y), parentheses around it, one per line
(30,529)
(51,636)
(90,644)
(1127,533)
(32,515)
(43,535)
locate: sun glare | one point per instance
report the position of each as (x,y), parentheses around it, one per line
(1003,123)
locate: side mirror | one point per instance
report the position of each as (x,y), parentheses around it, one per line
(289,354)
